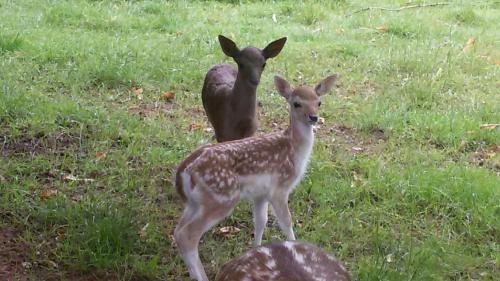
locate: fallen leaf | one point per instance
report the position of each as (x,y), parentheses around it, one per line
(77,198)
(489,126)
(494,148)
(469,45)
(143,233)
(70,177)
(168,96)
(389,258)
(357,149)
(497,62)
(382,29)
(26,264)
(195,127)
(60,234)
(321,120)
(462,146)
(228,231)
(52,264)
(172,240)
(138,93)
(48,193)
(2,179)
(339,30)
(208,130)
(99,155)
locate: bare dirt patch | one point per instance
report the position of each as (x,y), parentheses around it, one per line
(151,110)
(350,138)
(56,143)
(13,255)
(488,157)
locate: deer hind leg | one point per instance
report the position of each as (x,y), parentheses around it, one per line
(282,212)
(188,234)
(260,218)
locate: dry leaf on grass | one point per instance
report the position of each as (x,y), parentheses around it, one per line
(48,193)
(462,146)
(70,177)
(172,240)
(382,29)
(99,155)
(168,96)
(76,198)
(143,231)
(52,264)
(489,126)
(339,30)
(357,149)
(469,45)
(497,62)
(138,93)
(195,127)
(228,231)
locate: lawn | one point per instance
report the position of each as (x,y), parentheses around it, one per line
(100,100)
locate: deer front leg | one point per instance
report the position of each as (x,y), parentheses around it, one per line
(282,212)
(260,218)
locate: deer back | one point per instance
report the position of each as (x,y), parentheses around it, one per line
(284,261)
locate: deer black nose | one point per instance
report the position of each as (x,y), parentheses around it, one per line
(313,118)
(254,82)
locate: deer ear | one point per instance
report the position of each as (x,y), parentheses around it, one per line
(228,46)
(283,86)
(274,48)
(326,85)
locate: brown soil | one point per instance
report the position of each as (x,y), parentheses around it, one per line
(350,138)
(13,255)
(488,157)
(30,146)
(151,110)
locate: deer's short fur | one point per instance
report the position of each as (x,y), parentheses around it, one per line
(229,94)
(263,169)
(284,261)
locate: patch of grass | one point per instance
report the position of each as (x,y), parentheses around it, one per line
(465,16)
(10,43)
(100,235)
(402,184)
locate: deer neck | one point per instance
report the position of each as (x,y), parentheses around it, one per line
(302,138)
(243,96)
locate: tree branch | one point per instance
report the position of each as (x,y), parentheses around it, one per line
(400,8)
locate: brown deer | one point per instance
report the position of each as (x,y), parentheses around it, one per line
(263,169)
(229,94)
(284,261)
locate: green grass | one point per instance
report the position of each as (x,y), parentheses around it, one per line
(421,201)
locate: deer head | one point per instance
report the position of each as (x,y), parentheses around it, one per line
(251,61)
(304,101)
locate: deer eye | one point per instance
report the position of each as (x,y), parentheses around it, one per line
(296,105)
(319,104)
